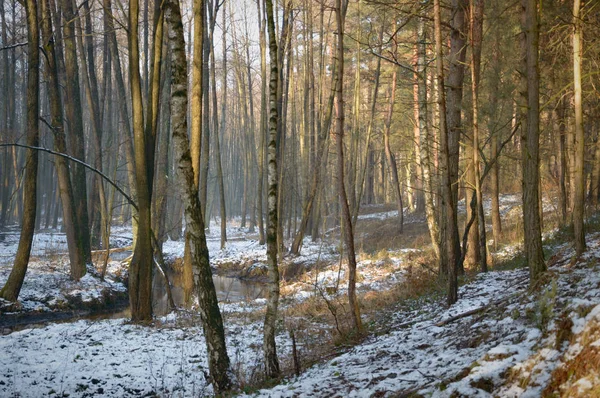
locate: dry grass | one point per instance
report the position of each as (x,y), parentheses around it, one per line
(585,365)
(374,235)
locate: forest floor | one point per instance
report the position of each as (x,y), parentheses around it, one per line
(500,339)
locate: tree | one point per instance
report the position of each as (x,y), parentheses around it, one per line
(210,315)
(269,346)
(530,143)
(73,113)
(13,285)
(453,105)
(76,255)
(476,22)
(451,254)
(140,269)
(424,138)
(341,6)
(195,128)
(579,199)
(389,156)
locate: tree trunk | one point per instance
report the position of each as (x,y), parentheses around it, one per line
(13,285)
(320,162)
(221,130)
(579,153)
(424,140)
(140,270)
(195,132)
(205,96)
(449,244)
(530,146)
(269,346)
(74,114)
(263,121)
(476,18)
(212,323)
(122,94)
(494,141)
(348,233)
(390,156)
(76,256)
(454,86)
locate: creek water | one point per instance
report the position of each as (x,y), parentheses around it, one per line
(229,290)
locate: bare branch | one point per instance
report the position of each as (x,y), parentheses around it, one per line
(87,166)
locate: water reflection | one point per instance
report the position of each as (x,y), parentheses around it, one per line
(228,289)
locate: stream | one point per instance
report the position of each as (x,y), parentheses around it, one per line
(229,290)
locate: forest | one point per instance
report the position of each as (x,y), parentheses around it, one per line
(299,198)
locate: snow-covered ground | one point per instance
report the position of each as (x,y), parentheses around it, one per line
(503,342)
(47,284)
(48,287)
(113,358)
(473,355)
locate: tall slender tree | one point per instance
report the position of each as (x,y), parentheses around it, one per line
(452,255)
(341,6)
(140,270)
(13,285)
(210,315)
(269,346)
(74,116)
(76,256)
(579,197)
(530,145)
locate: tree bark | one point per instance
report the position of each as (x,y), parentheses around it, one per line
(76,256)
(579,194)
(391,160)
(269,346)
(494,141)
(195,131)
(210,315)
(221,130)
(530,143)
(454,86)
(452,254)
(424,139)
(74,112)
(140,270)
(13,285)
(348,231)
(476,18)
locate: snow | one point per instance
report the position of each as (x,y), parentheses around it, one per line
(48,286)
(501,350)
(416,355)
(114,358)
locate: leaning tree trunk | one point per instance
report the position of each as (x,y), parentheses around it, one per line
(212,323)
(11,289)
(269,346)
